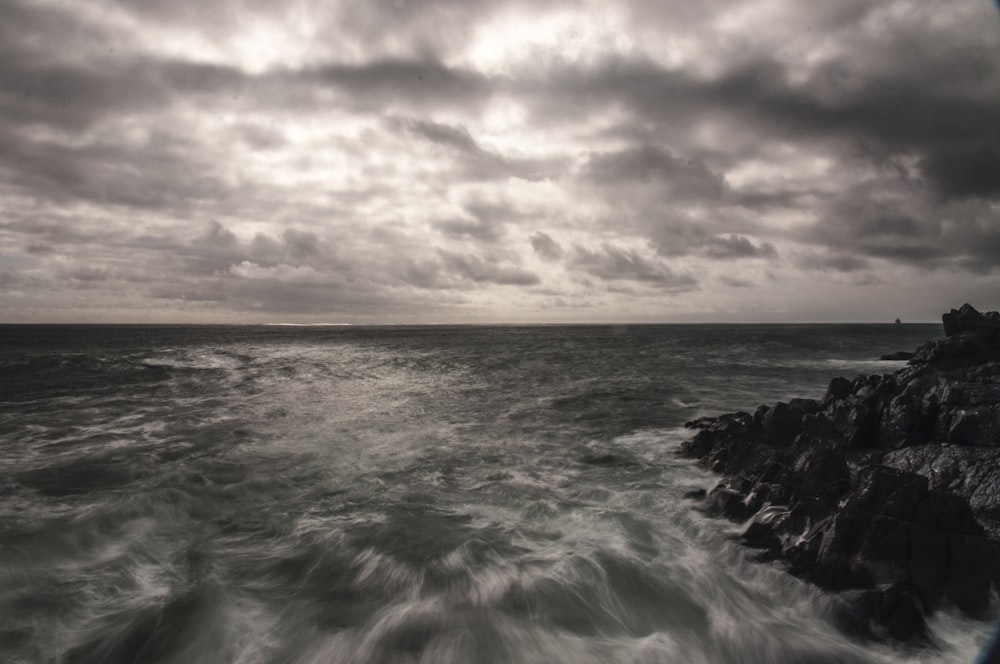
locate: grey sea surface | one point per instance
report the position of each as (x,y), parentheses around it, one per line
(304,495)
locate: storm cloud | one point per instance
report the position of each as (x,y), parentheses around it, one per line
(497,160)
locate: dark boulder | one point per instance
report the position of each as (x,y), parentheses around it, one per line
(782,424)
(892,530)
(727,502)
(967,319)
(839,388)
(856,420)
(893,613)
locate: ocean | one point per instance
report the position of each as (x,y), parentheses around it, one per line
(434,494)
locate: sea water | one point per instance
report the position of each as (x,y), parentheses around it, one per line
(305,495)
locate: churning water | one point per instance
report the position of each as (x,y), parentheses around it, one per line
(429,494)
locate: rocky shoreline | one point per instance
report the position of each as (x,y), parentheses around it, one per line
(886,491)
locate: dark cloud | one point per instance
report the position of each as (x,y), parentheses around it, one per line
(73,97)
(678,204)
(471,159)
(961,235)
(10,279)
(486,222)
(478,270)
(217,236)
(969,170)
(442,134)
(88,273)
(546,247)
(878,230)
(735,282)
(895,110)
(413,83)
(474,229)
(39,248)
(676,232)
(612,263)
(648,164)
(261,137)
(162,171)
(217,250)
(835,263)
(301,245)
(736,246)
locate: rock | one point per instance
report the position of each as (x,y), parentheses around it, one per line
(887,490)
(856,420)
(763,535)
(838,389)
(972,473)
(820,474)
(782,424)
(886,614)
(727,502)
(966,319)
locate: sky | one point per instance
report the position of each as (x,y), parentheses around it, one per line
(495,161)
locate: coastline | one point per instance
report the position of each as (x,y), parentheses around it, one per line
(886,491)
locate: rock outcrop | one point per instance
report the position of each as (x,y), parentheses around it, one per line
(886,491)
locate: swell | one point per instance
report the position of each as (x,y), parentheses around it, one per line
(487,495)
(260,570)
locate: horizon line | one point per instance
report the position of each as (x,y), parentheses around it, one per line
(464,324)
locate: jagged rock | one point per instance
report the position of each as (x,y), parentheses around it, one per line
(839,388)
(967,319)
(763,534)
(727,502)
(819,476)
(856,420)
(893,614)
(973,473)
(782,424)
(889,487)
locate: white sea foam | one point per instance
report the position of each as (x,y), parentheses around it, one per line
(486,496)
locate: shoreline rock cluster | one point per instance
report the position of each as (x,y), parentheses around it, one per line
(885,491)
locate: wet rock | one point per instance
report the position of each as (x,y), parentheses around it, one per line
(819,476)
(967,319)
(839,388)
(782,424)
(885,614)
(888,488)
(856,420)
(764,533)
(727,502)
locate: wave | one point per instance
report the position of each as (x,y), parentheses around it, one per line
(292,497)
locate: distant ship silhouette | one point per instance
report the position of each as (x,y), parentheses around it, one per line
(898,321)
